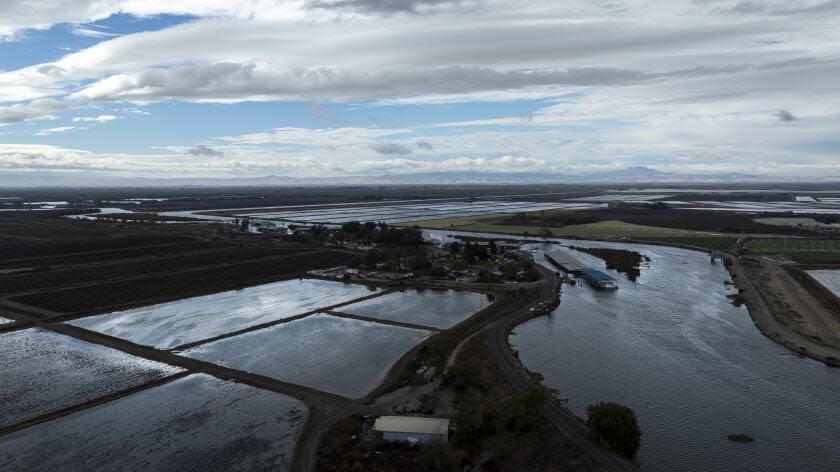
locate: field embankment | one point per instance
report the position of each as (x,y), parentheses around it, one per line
(791,313)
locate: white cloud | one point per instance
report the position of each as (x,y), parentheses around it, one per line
(699,84)
(95,119)
(35,110)
(49,131)
(92,31)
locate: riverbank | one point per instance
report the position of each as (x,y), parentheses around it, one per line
(787,312)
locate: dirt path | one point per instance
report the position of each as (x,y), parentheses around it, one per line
(788,312)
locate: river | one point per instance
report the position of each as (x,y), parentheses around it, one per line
(692,366)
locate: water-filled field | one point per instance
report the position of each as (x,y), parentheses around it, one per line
(173,324)
(435,308)
(41,372)
(339,355)
(400,213)
(692,365)
(829,279)
(195,423)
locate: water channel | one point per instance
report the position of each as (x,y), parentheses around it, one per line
(692,365)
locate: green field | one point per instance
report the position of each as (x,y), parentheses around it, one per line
(711,243)
(601,229)
(806,251)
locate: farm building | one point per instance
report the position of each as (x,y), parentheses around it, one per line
(412,428)
(564,261)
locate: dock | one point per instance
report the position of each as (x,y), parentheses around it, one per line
(599,279)
(570,265)
(564,261)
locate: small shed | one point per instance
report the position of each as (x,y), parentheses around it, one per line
(412,429)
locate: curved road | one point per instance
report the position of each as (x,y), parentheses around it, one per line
(561,417)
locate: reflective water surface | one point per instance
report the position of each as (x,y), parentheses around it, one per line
(41,372)
(436,308)
(338,355)
(195,423)
(173,324)
(691,365)
(830,279)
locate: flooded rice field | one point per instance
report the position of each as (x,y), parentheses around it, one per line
(829,279)
(340,355)
(690,363)
(194,423)
(173,324)
(400,213)
(435,308)
(41,372)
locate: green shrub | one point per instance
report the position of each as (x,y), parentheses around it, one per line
(615,427)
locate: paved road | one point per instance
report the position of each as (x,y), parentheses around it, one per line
(518,376)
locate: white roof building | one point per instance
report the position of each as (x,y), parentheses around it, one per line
(412,428)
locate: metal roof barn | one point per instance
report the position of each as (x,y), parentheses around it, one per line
(564,261)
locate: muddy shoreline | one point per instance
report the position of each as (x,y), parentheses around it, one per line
(771,316)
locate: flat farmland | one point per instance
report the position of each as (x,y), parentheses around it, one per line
(803,250)
(601,229)
(195,423)
(42,372)
(713,243)
(339,355)
(42,235)
(173,324)
(441,309)
(110,255)
(85,267)
(38,280)
(165,287)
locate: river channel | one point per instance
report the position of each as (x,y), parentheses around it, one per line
(692,366)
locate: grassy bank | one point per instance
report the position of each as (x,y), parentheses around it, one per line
(802,250)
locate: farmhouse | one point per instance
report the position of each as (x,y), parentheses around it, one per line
(412,428)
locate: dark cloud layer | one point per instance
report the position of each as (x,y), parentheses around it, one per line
(202,150)
(391,149)
(785,115)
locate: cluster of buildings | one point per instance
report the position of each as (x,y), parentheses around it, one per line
(349,273)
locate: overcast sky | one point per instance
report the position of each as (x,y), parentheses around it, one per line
(315,88)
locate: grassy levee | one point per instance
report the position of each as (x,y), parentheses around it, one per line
(802,250)
(711,243)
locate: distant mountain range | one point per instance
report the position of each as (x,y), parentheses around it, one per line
(627,175)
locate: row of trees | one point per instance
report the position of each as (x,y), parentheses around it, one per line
(379,234)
